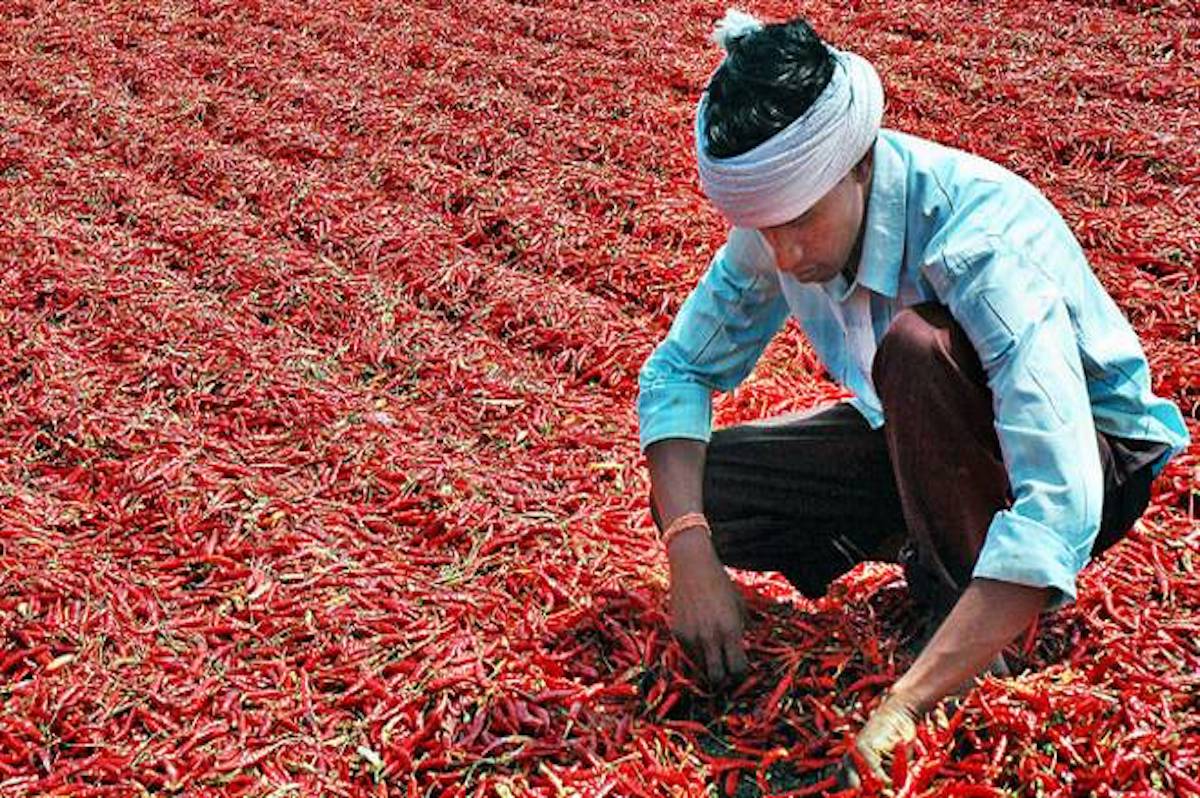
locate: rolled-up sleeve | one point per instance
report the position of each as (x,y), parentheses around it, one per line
(1019,322)
(714,341)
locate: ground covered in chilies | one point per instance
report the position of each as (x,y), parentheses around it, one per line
(319,333)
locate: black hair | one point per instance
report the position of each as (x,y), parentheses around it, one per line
(769,78)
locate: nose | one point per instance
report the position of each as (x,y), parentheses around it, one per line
(787,250)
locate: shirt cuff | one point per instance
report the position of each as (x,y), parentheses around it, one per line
(1026,552)
(682,410)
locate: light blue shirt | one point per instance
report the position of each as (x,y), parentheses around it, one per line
(943,225)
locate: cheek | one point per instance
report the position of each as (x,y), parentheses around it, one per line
(843,224)
(825,234)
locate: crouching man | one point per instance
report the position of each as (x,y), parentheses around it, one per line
(1003,430)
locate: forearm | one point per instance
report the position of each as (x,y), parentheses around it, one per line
(707,613)
(987,617)
(677,477)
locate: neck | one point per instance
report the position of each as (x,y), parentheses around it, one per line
(850,270)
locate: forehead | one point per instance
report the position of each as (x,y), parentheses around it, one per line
(813,211)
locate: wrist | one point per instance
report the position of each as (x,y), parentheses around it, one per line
(909,694)
(689,544)
(904,701)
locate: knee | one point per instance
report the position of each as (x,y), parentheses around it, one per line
(914,341)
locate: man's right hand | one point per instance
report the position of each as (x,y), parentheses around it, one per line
(707,612)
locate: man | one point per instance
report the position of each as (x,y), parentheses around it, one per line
(1002,431)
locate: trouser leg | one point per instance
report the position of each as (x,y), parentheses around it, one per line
(942,442)
(807,496)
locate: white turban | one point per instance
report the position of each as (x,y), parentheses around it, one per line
(788,173)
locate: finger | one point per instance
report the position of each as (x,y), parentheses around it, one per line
(870,759)
(848,775)
(713,661)
(691,652)
(743,612)
(735,658)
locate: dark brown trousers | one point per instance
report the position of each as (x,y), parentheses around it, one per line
(812,495)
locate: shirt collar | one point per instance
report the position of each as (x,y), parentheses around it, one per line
(883,240)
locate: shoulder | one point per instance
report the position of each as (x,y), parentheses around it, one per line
(954,170)
(945,182)
(969,207)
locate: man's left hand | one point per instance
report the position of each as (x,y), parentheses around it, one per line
(894,723)
(987,616)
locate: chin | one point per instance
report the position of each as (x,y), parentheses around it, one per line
(823,274)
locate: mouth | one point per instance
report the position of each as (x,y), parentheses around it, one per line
(803,273)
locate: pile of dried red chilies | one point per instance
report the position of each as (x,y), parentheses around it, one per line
(319,334)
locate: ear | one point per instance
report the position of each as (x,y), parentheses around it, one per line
(862,169)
